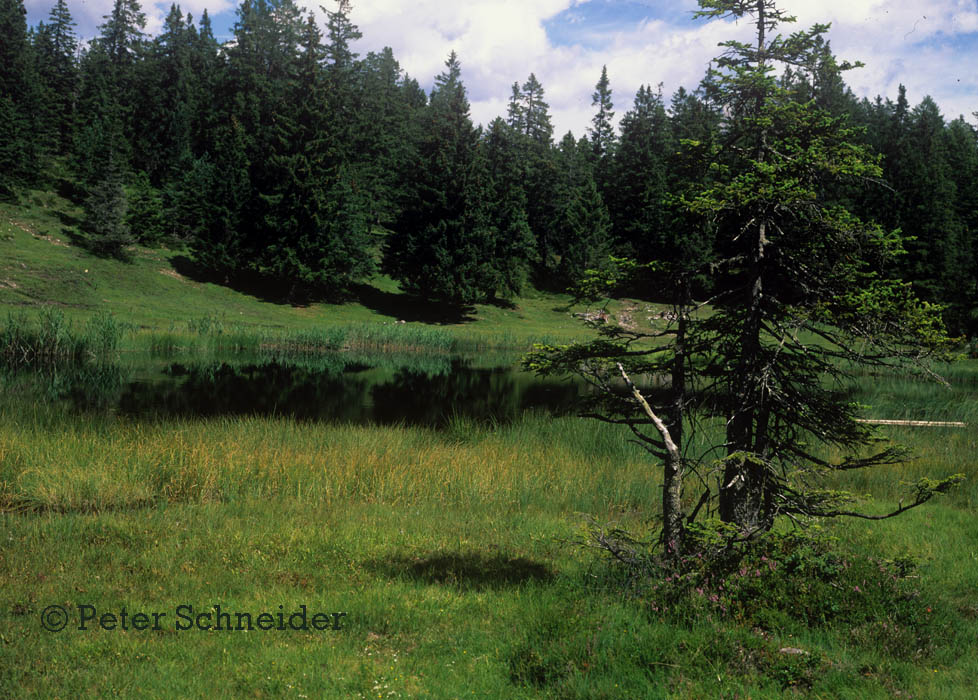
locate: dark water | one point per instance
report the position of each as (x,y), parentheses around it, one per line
(364,390)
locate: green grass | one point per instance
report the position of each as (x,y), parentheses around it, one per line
(157,293)
(451,551)
(454,552)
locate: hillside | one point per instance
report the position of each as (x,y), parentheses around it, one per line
(44,265)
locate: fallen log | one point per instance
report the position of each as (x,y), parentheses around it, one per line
(927,423)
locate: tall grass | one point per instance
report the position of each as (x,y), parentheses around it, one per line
(209,335)
(451,550)
(51,341)
(96,463)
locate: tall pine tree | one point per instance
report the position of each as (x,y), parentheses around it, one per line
(18,99)
(441,244)
(56,47)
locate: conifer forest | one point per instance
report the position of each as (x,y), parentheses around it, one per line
(285,159)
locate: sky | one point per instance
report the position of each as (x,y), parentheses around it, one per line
(931,47)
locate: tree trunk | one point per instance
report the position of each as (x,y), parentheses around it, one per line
(744,497)
(672,509)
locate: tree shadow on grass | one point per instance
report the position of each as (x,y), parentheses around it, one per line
(408,307)
(465,570)
(400,306)
(262,289)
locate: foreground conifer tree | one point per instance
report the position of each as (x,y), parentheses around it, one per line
(797,310)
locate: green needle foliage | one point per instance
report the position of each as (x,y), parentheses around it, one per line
(443,240)
(797,307)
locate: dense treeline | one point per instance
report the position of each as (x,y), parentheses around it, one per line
(284,156)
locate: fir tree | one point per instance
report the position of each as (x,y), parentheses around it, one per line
(442,240)
(56,47)
(18,99)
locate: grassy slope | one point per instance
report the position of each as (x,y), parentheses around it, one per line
(39,267)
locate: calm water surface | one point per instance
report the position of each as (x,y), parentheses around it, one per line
(362,389)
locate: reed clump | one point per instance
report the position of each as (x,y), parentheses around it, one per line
(51,341)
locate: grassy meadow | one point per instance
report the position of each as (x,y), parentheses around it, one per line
(167,301)
(455,553)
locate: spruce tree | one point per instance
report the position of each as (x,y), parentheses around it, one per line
(100,139)
(602,131)
(261,75)
(962,158)
(793,263)
(109,95)
(797,308)
(315,221)
(211,103)
(529,119)
(441,244)
(122,34)
(343,78)
(56,47)
(386,135)
(936,260)
(166,110)
(106,214)
(18,100)
(638,200)
(514,248)
(145,214)
(535,113)
(602,135)
(583,227)
(208,205)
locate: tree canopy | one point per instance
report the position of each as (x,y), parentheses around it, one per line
(285,158)
(797,306)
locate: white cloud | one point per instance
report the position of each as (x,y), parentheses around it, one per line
(500,42)
(931,47)
(89,14)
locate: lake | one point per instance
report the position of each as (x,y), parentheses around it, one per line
(361,388)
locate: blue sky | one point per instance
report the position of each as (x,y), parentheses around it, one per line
(931,47)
